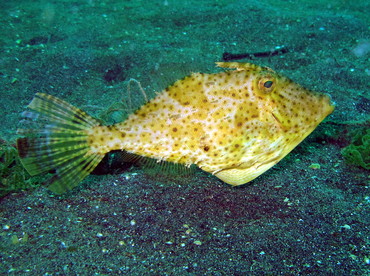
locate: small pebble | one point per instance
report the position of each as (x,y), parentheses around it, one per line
(314,166)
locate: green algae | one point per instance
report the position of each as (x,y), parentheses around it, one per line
(358,152)
(13,177)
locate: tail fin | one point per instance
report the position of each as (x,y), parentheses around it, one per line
(56,139)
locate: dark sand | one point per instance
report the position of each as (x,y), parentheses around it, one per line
(293,220)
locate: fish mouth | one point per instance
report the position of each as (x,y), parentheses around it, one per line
(329,104)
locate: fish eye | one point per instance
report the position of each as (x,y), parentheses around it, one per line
(268,84)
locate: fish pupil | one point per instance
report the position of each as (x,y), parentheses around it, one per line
(268,84)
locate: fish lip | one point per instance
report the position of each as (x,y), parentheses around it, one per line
(332,104)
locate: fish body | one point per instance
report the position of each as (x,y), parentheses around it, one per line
(234,124)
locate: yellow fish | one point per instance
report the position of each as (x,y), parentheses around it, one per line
(235,124)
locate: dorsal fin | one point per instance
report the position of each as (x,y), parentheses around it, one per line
(240,66)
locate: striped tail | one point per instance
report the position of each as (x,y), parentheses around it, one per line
(55,139)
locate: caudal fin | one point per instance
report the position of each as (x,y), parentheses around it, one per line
(55,139)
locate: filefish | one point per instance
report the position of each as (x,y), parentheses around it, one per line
(234,124)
